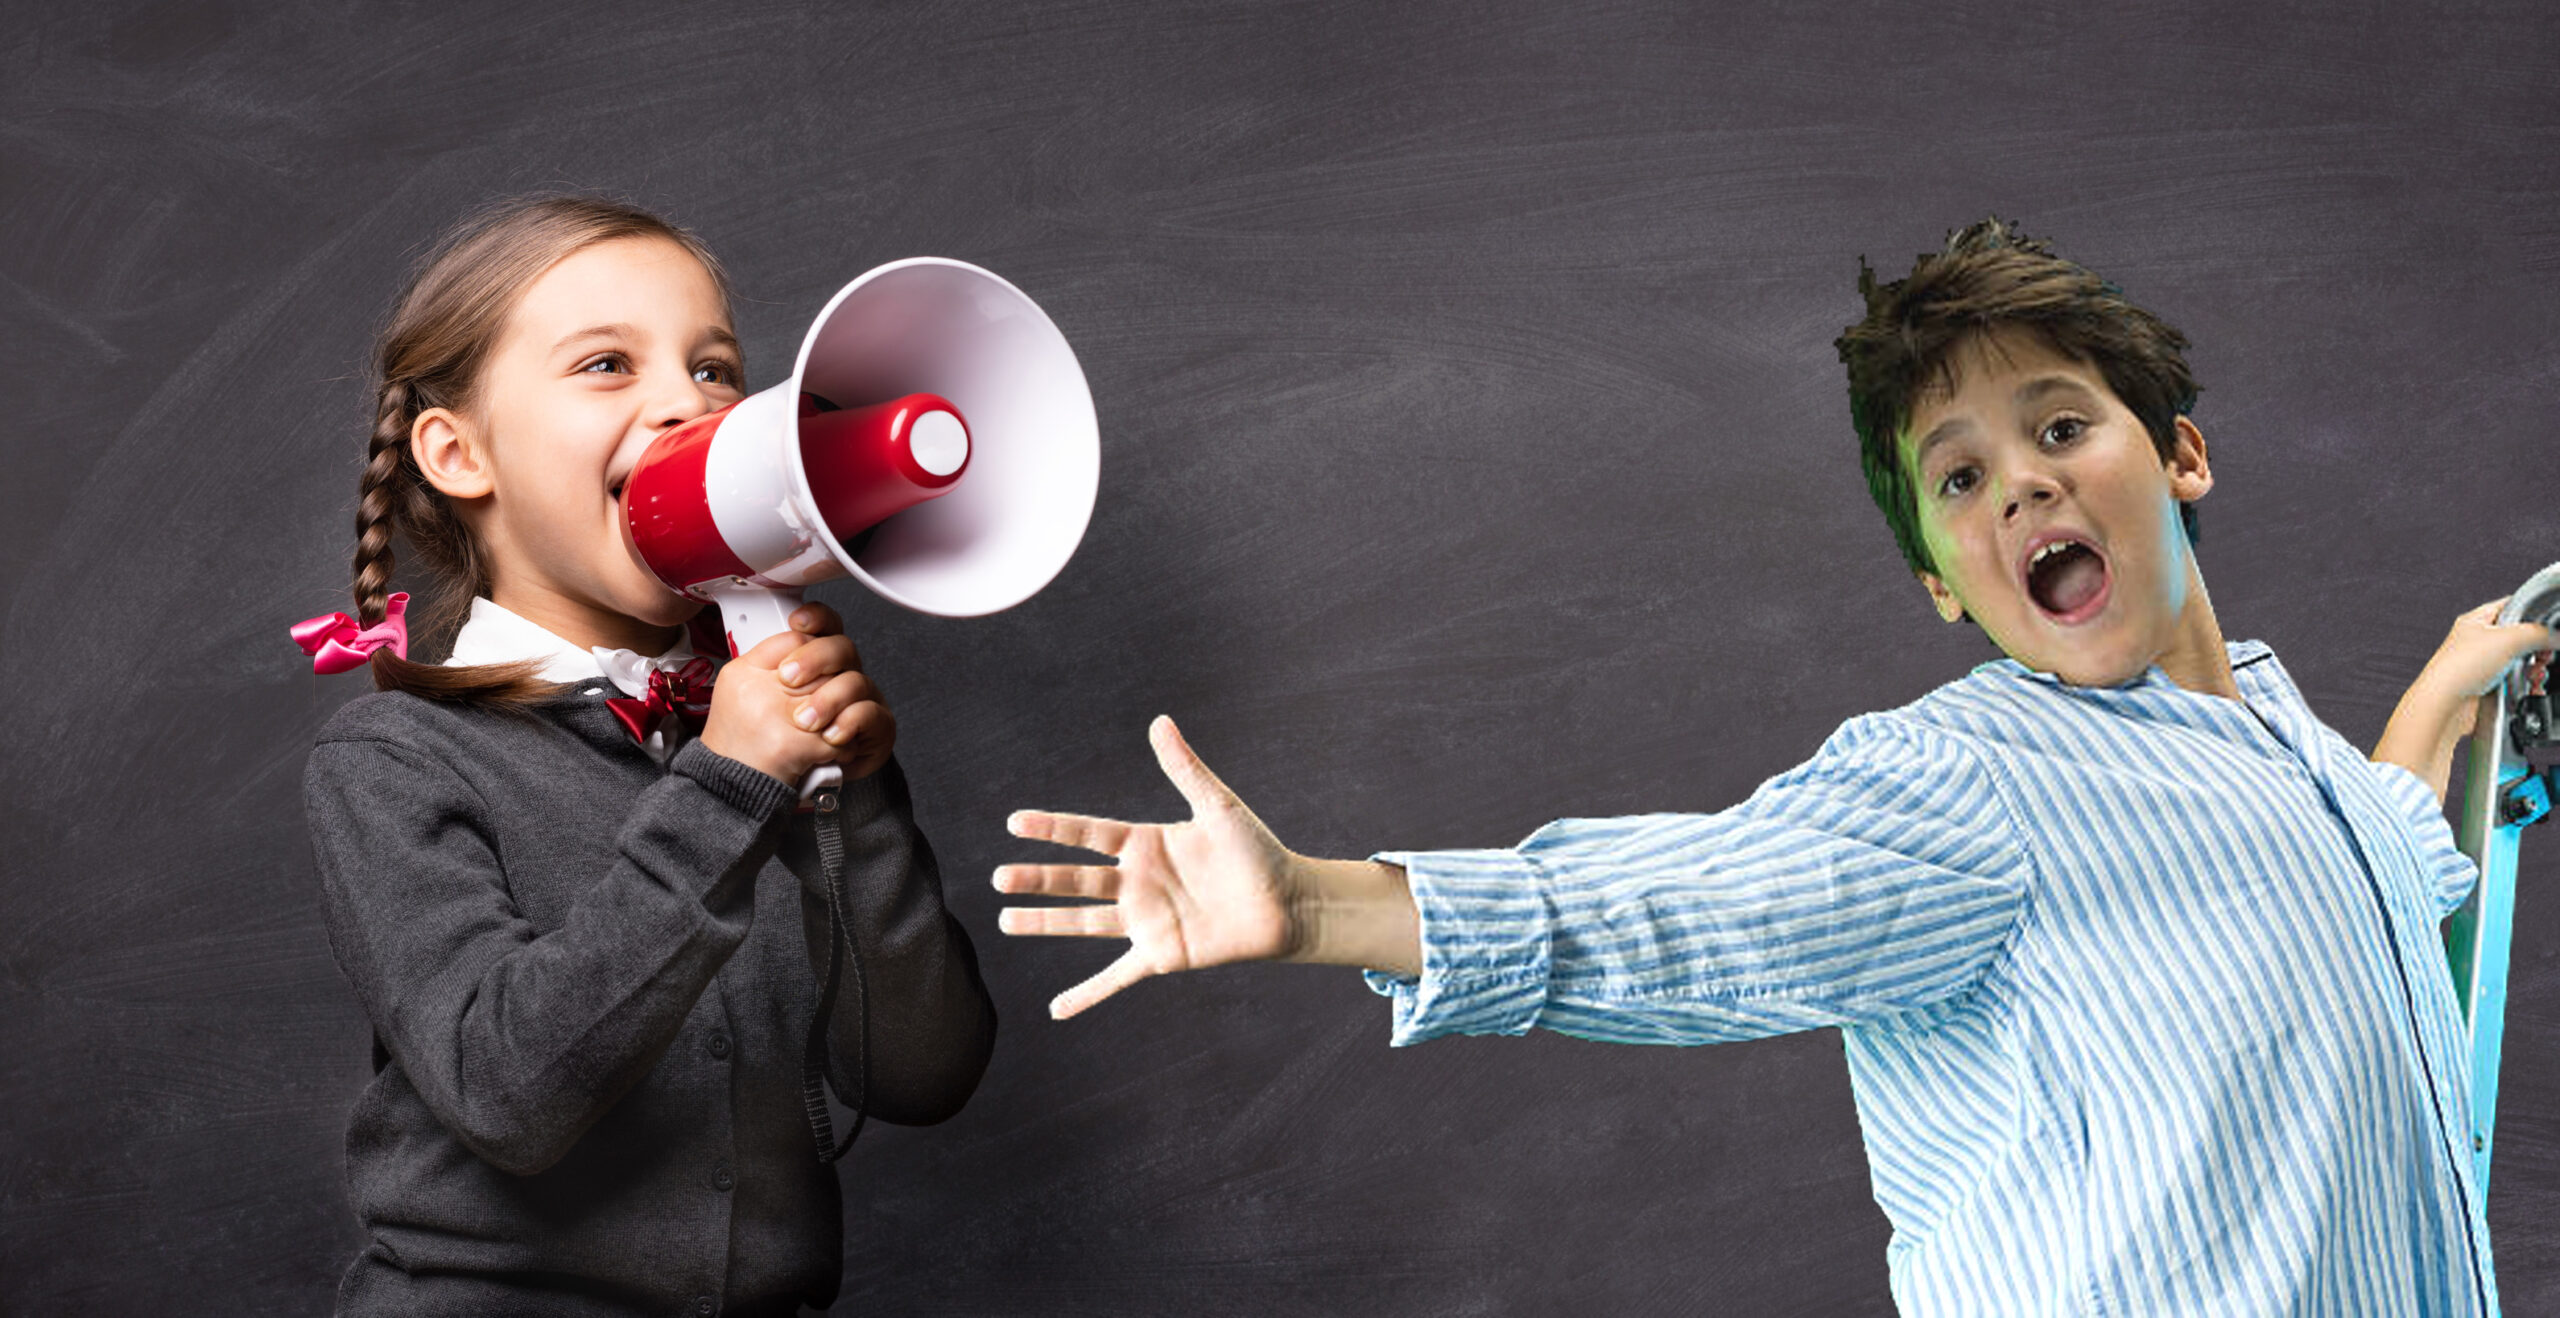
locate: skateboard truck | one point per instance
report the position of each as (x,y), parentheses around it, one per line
(2525,801)
(2506,795)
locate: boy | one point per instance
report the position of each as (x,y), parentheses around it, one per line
(2135,960)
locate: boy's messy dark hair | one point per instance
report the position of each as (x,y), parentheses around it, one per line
(1990,277)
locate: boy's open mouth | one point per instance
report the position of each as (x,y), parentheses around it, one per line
(2067,578)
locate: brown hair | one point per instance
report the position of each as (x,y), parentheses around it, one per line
(430,355)
(1989,277)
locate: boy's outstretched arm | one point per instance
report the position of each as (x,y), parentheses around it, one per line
(1216,889)
(2440,708)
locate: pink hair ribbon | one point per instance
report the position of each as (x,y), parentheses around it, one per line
(337,645)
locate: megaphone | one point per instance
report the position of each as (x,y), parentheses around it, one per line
(935,441)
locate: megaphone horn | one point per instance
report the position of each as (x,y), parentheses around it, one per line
(934,405)
(935,413)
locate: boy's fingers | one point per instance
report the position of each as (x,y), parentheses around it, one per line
(2526,638)
(1062,921)
(1103,835)
(1192,778)
(1120,974)
(1097,881)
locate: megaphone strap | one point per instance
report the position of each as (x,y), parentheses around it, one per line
(829,821)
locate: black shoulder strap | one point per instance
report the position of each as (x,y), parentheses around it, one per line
(829,821)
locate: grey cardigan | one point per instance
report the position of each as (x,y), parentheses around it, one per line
(590,981)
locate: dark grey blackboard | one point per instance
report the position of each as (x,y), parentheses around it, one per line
(1473,454)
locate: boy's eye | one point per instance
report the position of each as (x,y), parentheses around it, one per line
(2062,430)
(1956,482)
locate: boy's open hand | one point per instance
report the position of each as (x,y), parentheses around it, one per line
(1216,889)
(798,700)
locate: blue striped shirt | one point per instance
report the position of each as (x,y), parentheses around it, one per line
(2143,997)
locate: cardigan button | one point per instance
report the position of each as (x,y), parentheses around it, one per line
(719,1043)
(702,1305)
(722,1181)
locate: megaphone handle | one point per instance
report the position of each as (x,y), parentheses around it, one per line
(748,614)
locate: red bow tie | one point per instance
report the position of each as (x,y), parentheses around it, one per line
(684,693)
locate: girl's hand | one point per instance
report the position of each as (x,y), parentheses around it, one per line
(799,700)
(1216,889)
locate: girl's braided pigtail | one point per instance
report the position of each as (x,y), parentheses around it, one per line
(393,499)
(374,494)
(430,356)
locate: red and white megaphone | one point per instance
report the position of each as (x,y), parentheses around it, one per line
(936,442)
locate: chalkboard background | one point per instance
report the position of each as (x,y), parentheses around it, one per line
(1473,453)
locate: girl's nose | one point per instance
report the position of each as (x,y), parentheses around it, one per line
(678,404)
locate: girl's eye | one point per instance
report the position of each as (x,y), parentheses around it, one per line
(1956,482)
(716,373)
(608,363)
(2062,430)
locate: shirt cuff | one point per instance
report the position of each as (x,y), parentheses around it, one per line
(1485,946)
(748,790)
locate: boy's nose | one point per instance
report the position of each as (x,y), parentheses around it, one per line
(2027,489)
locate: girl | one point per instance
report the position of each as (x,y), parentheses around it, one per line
(590,939)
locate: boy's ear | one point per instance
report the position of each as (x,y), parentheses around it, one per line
(2190,475)
(448,456)
(1949,607)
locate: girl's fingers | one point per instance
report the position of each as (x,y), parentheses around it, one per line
(1062,921)
(863,720)
(771,651)
(814,619)
(1197,785)
(1101,882)
(1120,974)
(868,745)
(1103,835)
(842,692)
(820,658)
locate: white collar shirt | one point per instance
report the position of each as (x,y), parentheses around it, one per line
(495,634)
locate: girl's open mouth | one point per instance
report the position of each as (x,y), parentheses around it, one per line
(2068,579)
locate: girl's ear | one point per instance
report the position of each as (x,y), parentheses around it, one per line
(450,456)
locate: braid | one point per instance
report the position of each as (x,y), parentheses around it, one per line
(393,500)
(429,356)
(374,501)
